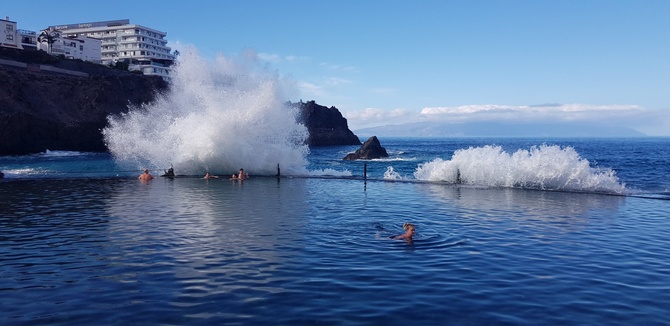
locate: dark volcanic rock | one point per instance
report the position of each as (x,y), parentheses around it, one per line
(326,126)
(371,149)
(41,111)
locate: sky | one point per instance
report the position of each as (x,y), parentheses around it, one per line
(385,62)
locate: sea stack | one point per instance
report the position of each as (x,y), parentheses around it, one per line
(371,149)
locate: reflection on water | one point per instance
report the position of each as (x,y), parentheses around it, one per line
(216,234)
(306,251)
(564,211)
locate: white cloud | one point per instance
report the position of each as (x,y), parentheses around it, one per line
(370,117)
(564,112)
(269,57)
(339,67)
(334,81)
(324,88)
(651,122)
(277,58)
(310,89)
(296,58)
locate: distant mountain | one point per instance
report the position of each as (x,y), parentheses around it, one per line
(499,129)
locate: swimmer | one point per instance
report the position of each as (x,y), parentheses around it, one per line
(240,176)
(146,176)
(209,176)
(169,173)
(409,232)
(243,175)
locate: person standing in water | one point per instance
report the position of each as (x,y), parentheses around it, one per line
(409,232)
(146,176)
(241,175)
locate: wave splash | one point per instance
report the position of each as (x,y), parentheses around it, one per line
(544,167)
(216,116)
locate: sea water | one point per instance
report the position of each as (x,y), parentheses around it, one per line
(318,250)
(509,230)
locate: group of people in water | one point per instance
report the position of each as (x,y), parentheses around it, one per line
(146,176)
(239,176)
(409,228)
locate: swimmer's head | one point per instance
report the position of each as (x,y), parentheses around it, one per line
(409,228)
(146,171)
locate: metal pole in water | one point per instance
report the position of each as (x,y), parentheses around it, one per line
(278,171)
(365,171)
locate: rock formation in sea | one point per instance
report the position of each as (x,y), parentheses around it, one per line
(326,126)
(371,149)
(42,110)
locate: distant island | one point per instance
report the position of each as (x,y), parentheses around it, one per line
(499,129)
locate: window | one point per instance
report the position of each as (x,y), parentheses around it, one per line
(81,48)
(10,37)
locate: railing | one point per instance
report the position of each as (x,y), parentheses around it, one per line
(25,31)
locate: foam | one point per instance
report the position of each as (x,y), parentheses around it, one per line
(217,116)
(541,167)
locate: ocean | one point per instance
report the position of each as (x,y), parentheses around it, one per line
(509,231)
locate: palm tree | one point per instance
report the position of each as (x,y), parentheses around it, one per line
(48,37)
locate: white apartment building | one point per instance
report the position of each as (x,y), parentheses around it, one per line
(144,49)
(80,47)
(28,39)
(9,36)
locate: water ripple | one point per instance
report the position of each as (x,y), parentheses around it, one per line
(319,251)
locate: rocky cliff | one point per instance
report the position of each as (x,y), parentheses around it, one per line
(326,126)
(40,111)
(44,110)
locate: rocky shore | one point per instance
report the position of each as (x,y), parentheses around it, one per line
(42,110)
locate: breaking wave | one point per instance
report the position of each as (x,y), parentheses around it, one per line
(216,116)
(541,167)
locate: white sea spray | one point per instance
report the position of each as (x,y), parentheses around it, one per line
(217,116)
(542,167)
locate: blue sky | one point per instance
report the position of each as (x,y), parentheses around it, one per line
(388,62)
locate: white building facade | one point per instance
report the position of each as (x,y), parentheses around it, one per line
(144,49)
(28,39)
(80,47)
(9,36)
